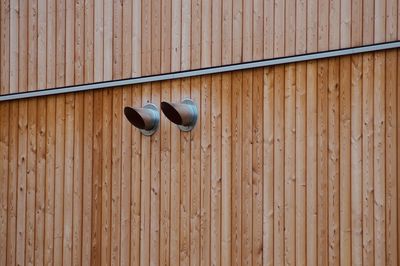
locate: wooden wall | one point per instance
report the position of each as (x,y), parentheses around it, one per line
(289,164)
(53,43)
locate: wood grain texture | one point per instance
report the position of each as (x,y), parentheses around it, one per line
(294,163)
(174,35)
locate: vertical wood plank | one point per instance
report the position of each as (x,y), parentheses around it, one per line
(40,181)
(236,134)
(79,78)
(41,133)
(174,256)
(226,183)
(69,131)
(50,180)
(88,135)
(269,28)
(126,176)
(311,168)
(117,61)
(79,49)
(12,184)
(107,34)
(77,187)
(237,31)
(98,45)
(50,196)
(145,191)
(4,177)
(216,127)
(227,20)
(185,34)
(14,40)
(87,176)
(116,148)
(357,18)
(300,164)
(301,130)
(145,164)
(89,31)
(156,36)
(98,60)
(195,178)
(205,198)
(5,47)
(268,175)
(69,42)
(236,171)
(247,142)
(166,35)
(379,158)
(279,28)
(301,27)
(334,24)
(391,20)
(290,27)
(345,158)
(323,25)
(184,241)
(22,181)
(346,23)
(32,44)
(391,158)
(226,174)
(356,157)
(176,35)
(368,157)
(346,141)
(368,23)
(333,161)
(31,175)
(155,185)
(247,35)
(279,168)
(4,128)
(257,166)
(398,149)
(146,38)
(216,32)
(23,37)
(126,134)
(68,179)
(258,29)
(60,135)
(135,185)
(155,140)
(59,180)
(96,223)
(322,163)
(136,38)
(175,179)
(165,179)
(379,21)
(106,177)
(195,145)
(312,26)
(289,164)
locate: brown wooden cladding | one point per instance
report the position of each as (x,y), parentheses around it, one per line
(53,43)
(289,164)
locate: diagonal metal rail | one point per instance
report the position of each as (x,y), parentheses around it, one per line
(204,71)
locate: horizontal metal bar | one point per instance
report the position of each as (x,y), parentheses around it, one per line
(200,72)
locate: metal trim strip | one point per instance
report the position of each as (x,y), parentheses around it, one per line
(201,72)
